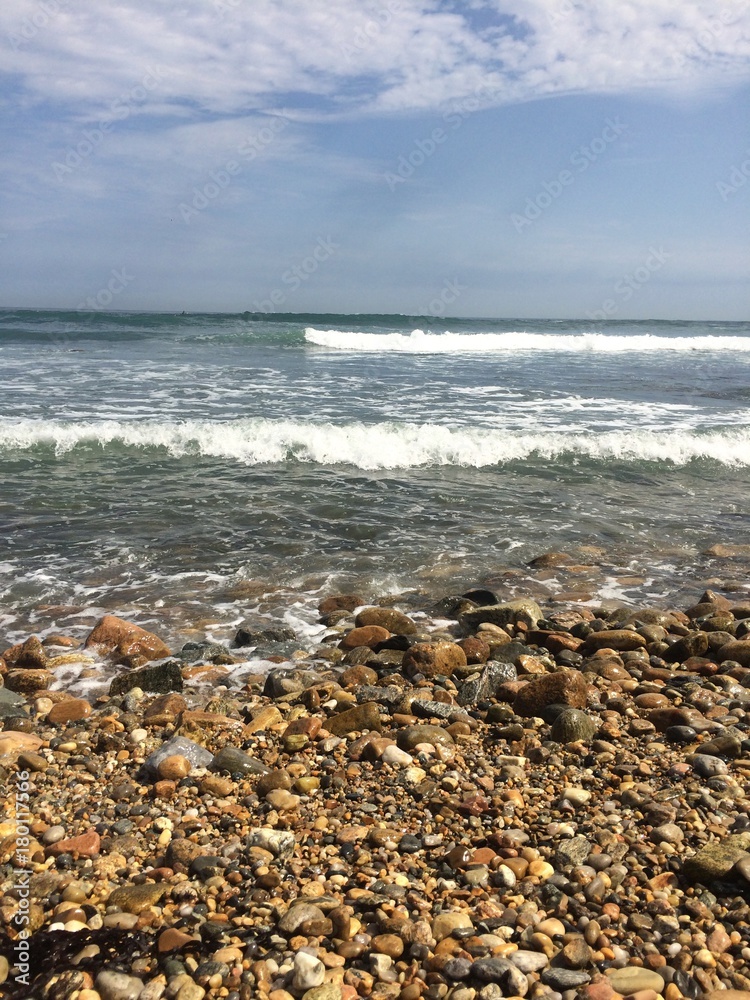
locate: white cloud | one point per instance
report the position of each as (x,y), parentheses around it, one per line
(230,57)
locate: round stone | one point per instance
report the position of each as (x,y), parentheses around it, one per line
(175,767)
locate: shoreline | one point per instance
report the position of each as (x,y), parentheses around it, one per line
(490,799)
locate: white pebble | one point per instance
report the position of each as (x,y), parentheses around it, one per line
(138,736)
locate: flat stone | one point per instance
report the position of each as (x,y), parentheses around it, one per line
(716,860)
(509,613)
(633,978)
(12,741)
(159,678)
(411,736)
(564,979)
(528,961)
(137,898)
(264,719)
(565,687)
(355,720)
(85,846)
(234,761)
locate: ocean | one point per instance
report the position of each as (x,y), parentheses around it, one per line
(189,471)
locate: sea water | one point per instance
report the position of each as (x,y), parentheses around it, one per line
(185,471)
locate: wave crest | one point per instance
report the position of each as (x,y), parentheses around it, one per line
(373,447)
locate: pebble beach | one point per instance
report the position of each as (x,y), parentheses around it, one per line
(467,798)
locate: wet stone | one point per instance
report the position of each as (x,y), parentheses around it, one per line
(572,726)
(177,745)
(236,762)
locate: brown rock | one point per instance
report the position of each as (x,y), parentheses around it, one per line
(171,939)
(663,718)
(137,898)
(12,741)
(566,687)
(183,852)
(69,711)
(174,767)
(355,676)
(367,635)
(214,784)
(24,680)
(171,704)
(476,650)
(125,642)
(388,618)
(85,846)
(692,644)
(364,716)
(340,602)
(264,719)
(434,659)
(619,639)
(30,653)
(737,649)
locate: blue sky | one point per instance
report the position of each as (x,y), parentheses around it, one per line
(535,158)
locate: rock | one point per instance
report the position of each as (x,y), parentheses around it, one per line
(326,991)
(499,970)
(716,860)
(70,710)
(486,684)
(249,634)
(693,644)
(633,978)
(137,898)
(433,659)
(355,720)
(160,678)
(194,752)
(388,618)
(30,761)
(309,971)
(281,682)
(706,765)
(112,985)
(172,939)
(11,704)
(726,995)
(573,726)
(15,742)
(566,687)
(234,761)
(564,979)
(510,613)
(722,746)
(279,842)
(529,961)
(24,680)
(87,845)
(572,853)
(444,924)
(621,640)
(30,653)
(550,560)
(297,915)
(126,643)
(737,649)
(206,652)
(367,635)
(742,867)
(340,602)
(175,767)
(411,736)
(438,710)
(264,719)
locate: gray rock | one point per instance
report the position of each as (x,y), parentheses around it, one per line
(573,726)
(504,973)
(11,704)
(706,766)
(726,745)
(279,842)
(249,634)
(529,961)
(564,979)
(572,853)
(195,753)
(520,610)
(438,709)
(297,915)
(410,736)
(236,762)
(205,652)
(112,985)
(159,678)
(486,684)
(281,682)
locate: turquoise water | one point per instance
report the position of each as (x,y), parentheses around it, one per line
(186,468)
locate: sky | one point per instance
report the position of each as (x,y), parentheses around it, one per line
(528,158)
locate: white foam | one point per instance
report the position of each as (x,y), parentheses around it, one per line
(380,446)
(419,342)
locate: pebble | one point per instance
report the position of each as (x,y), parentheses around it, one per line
(112,985)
